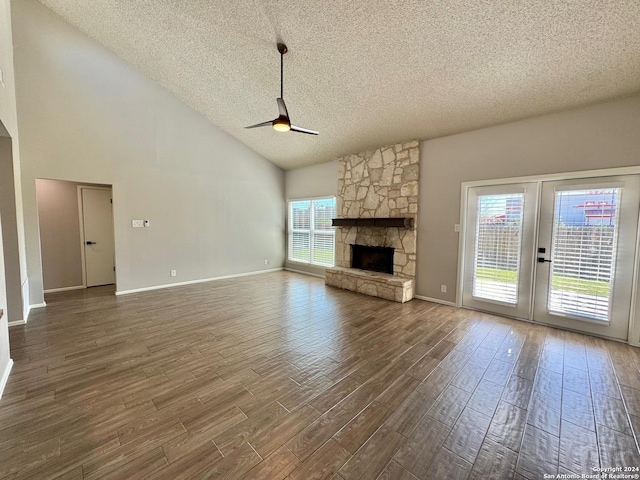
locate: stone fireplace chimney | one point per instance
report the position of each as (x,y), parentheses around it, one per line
(381,184)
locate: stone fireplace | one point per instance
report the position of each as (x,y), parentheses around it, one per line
(376,189)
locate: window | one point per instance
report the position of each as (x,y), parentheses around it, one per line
(498,244)
(585,236)
(311,236)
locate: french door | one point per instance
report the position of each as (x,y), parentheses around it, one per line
(500,232)
(560,253)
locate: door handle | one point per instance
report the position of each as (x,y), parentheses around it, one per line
(90,242)
(542,260)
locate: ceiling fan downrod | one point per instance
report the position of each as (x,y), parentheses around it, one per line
(282,48)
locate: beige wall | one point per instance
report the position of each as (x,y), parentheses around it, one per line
(7,93)
(8,119)
(14,224)
(8,116)
(13,306)
(59,222)
(216,207)
(313,181)
(596,137)
(4,329)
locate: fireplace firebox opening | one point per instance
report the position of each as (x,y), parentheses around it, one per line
(377,259)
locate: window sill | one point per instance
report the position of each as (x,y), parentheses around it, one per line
(309,264)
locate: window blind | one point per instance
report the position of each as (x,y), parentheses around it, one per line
(497,247)
(585,232)
(311,236)
(300,242)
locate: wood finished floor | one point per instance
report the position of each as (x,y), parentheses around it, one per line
(276,376)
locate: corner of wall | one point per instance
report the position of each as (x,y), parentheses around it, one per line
(5,376)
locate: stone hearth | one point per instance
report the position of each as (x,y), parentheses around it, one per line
(376,284)
(380,183)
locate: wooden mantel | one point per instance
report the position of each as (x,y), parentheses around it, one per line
(401,222)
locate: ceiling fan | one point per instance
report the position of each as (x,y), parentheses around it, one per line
(283,122)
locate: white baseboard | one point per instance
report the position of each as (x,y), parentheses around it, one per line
(15,323)
(191,282)
(64,289)
(303,272)
(5,376)
(435,300)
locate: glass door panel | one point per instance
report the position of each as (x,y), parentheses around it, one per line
(496,260)
(500,223)
(586,252)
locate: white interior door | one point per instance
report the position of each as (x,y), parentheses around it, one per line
(99,245)
(499,242)
(586,254)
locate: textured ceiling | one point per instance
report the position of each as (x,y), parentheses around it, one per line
(368,73)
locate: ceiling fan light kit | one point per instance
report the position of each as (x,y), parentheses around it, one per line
(281,125)
(283,122)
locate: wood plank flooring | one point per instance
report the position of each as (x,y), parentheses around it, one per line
(277,376)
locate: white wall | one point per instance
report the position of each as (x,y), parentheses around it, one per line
(313,181)
(59,223)
(216,207)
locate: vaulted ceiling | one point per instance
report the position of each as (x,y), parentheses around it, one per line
(368,73)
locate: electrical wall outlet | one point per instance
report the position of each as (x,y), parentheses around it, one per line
(443,288)
(266,262)
(173,273)
(456,227)
(137,223)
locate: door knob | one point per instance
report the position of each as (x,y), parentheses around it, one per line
(90,242)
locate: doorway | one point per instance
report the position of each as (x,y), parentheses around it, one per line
(557,252)
(70,214)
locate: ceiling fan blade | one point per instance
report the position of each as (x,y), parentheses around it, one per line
(282,108)
(303,130)
(263,124)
